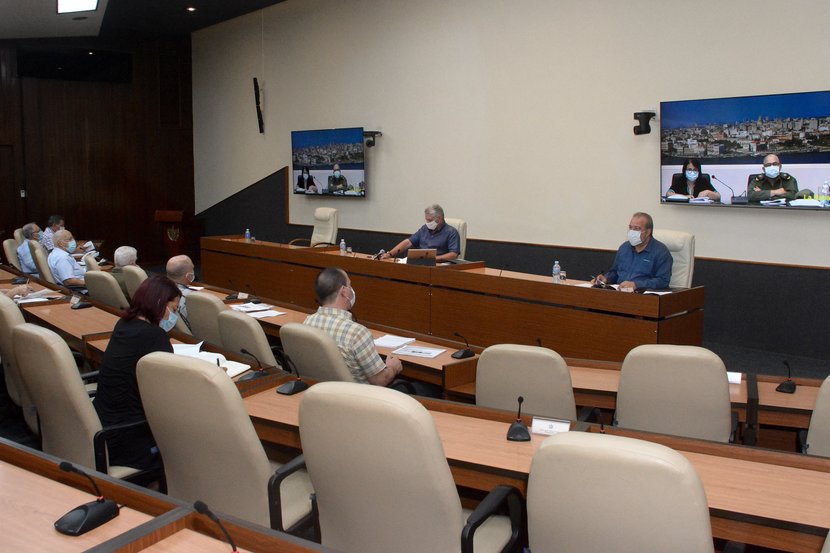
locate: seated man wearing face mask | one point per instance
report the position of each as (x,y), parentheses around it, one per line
(434,234)
(336,296)
(337,182)
(772,184)
(180,270)
(65,269)
(642,262)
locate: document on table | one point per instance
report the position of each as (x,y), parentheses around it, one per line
(264,314)
(391,341)
(657,292)
(192,350)
(779,201)
(419,351)
(251,307)
(733,377)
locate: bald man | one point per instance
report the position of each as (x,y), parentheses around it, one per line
(180,269)
(65,269)
(772,184)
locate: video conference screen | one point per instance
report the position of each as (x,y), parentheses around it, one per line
(731,137)
(329,162)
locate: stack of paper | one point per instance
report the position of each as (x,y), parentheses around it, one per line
(192,350)
(391,341)
(251,307)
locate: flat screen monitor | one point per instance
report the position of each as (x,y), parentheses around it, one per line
(730,138)
(329,162)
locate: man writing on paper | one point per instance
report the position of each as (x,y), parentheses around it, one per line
(434,234)
(336,296)
(642,262)
(772,184)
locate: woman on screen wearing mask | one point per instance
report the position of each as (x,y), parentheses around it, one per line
(142,329)
(692,182)
(305,182)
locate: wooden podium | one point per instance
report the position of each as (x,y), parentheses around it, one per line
(173,235)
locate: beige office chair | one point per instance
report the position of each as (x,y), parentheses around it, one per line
(679,390)
(325,228)
(40,257)
(133,277)
(11,318)
(314,353)
(240,331)
(818,434)
(596,492)
(90,262)
(507,371)
(203,311)
(381,476)
(10,249)
(209,446)
(103,287)
(461,226)
(682,248)
(18,236)
(69,426)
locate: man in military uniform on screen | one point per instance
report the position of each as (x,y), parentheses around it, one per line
(772,184)
(337,182)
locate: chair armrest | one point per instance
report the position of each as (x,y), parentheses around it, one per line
(589,414)
(275,500)
(89,375)
(99,441)
(298,240)
(499,496)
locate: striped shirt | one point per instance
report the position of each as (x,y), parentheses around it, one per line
(354,340)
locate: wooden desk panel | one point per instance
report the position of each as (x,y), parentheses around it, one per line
(72,324)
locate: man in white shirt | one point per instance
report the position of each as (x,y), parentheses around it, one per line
(65,269)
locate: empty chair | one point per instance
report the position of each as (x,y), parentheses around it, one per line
(314,353)
(818,434)
(10,318)
(40,258)
(90,262)
(540,375)
(133,277)
(103,287)
(325,228)
(679,390)
(209,446)
(682,248)
(596,492)
(10,249)
(18,236)
(382,480)
(461,226)
(203,311)
(240,331)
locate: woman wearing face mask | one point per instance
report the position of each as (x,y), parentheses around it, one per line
(692,182)
(305,182)
(142,329)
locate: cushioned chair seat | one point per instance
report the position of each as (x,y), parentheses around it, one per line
(682,248)
(325,228)
(461,226)
(818,434)
(10,249)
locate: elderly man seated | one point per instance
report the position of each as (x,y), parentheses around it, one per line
(123,256)
(180,269)
(65,269)
(30,232)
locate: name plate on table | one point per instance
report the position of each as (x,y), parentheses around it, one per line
(549,427)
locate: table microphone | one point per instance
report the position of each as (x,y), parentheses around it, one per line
(233,295)
(203,509)
(736,200)
(463,353)
(380,253)
(293,386)
(518,431)
(252,296)
(788,386)
(88,516)
(256,373)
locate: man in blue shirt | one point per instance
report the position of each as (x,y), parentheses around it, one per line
(434,234)
(65,269)
(30,232)
(642,262)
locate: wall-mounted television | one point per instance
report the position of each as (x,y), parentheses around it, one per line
(731,137)
(329,162)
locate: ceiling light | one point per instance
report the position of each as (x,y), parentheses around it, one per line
(72,6)
(191,9)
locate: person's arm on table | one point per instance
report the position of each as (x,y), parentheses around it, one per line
(392,369)
(662,275)
(402,246)
(453,248)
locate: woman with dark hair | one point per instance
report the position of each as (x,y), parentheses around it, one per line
(142,329)
(692,182)
(305,182)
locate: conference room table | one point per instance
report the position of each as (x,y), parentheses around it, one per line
(486,305)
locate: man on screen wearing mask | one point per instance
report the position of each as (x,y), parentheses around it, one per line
(65,269)
(337,182)
(642,262)
(336,297)
(772,184)
(434,234)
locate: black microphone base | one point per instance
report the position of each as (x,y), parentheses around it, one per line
(231,297)
(252,375)
(292,387)
(518,432)
(786,387)
(463,353)
(739,200)
(86,517)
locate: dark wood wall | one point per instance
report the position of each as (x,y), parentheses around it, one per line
(105,155)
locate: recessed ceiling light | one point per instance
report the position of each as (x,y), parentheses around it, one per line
(191,8)
(72,6)
(91,53)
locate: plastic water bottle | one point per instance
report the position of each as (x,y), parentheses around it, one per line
(247,235)
(557,271)
(825,192)
(342,246)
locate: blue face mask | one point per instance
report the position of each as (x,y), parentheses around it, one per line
(71,246)
(168,323)
(337,174)
(772,171)
(692,175)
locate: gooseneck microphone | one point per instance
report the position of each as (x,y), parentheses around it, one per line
(252,296)
(256,373)
(88,516)
(463,353)
(203,509)
(736,200)
(233,295)
(380,253)
(292,386)
(788,386)
(518,431)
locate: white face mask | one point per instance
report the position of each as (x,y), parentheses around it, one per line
(692,175)
(353,298)
(635,237)
(772,171)
(432,225)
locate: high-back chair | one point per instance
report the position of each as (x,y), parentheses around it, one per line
(682,248)
(818,434)
(203,311)
(90,262)
(506,371)
(381,477)
(461,226)
(18,236)
(314,353)
(679,390)
(10,250)
(325,228)
(103,287)
(209,446)
(40,257)
(11,318)
(597,492)
(240,331)
(133,277)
